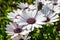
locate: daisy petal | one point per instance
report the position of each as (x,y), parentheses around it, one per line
(40,23)
(45,10)
(14,36)
(54,20)
(28,27)
(55,17)
(51,15)
(34,13)
(40,18)
(32,7)
(37,26)
(23,23)
(23,5)
(24,32)
(9,32)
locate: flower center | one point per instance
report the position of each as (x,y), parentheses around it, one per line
(21,39)
(55,3)
(47,20)
(17,30)
(31,20)
(53,11)
(40,5)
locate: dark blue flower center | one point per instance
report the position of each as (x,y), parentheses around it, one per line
(21,39)
(17,30)
(40,5)
(55,3)
(31,20)
(47,19)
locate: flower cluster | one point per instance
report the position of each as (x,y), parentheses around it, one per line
(29,16)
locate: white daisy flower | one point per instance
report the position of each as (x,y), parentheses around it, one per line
(14,30)
(14,15)
(55,5)
(23,5)
(52,0)
(26,6)
(30,19)
(57,9)
(50,15)
(40,3)
(55,1)
(21,37)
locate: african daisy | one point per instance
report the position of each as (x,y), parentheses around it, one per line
(15,30)
(30,19)
(21,37)
(50,15)
(26,6)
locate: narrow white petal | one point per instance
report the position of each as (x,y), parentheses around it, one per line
(52,14)
(34,13)
(32,7)
(9,29)
(14,36)
(24,32)
(23,5)
(25,14)
(58,11)
(9,26)
(12,25)
(55,17)
(11,14)
(11,17)
(32,28)
(28,13)
(40,13)
(22,23)
(16,20)
(54,20)
(45,10)
(37,26)
(15,12)
(40,18)
(9,32)
(41,23)
(28,27)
